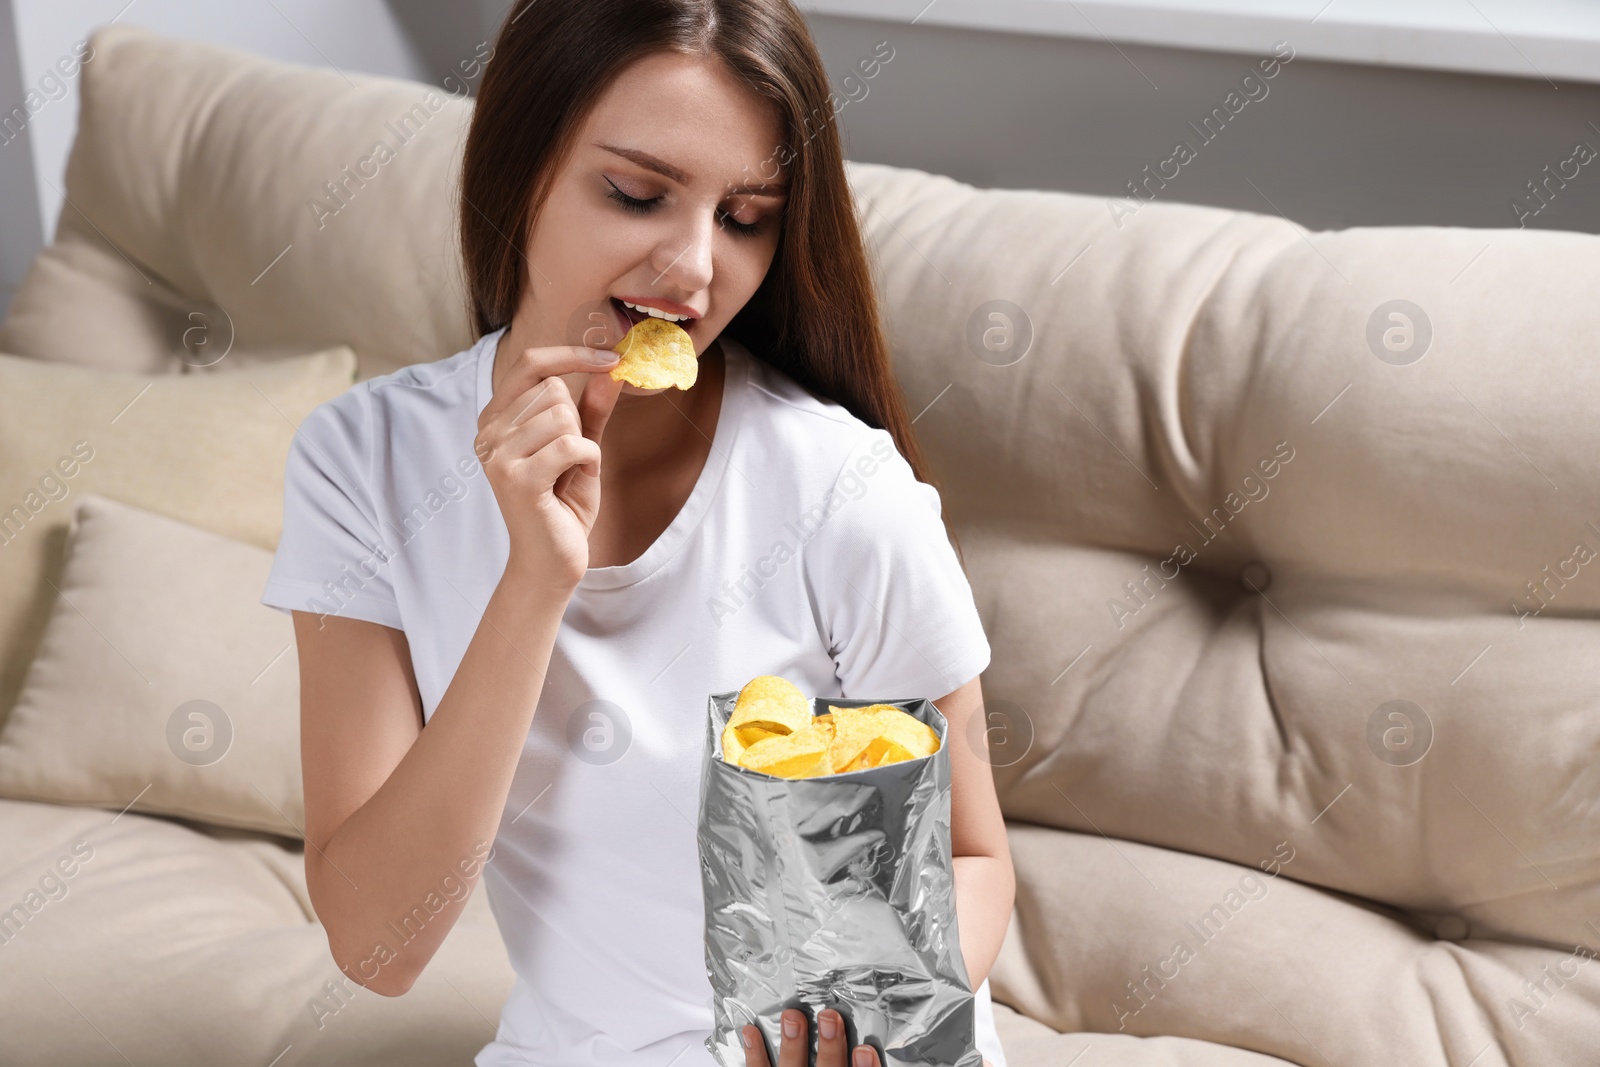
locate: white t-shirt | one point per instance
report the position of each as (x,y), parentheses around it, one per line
(806,549)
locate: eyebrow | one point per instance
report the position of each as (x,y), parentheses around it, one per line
(662,167)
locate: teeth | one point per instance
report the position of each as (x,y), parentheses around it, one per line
(657,313)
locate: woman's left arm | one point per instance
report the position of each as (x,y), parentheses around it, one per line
(985,882)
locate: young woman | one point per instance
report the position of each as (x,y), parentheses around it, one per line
(525,663)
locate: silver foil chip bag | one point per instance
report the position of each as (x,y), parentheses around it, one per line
(834,892)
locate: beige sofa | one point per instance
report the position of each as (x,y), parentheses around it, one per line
(1295,694)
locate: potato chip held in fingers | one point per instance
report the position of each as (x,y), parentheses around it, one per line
(655,354)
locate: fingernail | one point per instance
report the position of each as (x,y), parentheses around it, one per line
(599,355)
(791,1026)
(863,1056)
(828,1023)
(749,1042)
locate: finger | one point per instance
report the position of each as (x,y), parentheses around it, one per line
(832,1048)
(755,1046)
(553,460)
(540,428)
(534,364)
(864,1056)
(527,437)
(796,1049)
(496,435)
(595,405)
(534,399)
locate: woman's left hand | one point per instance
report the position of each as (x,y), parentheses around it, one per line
(796,1048)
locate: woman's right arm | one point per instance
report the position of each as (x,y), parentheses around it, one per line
(392,808)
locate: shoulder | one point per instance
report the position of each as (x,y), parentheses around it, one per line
(822,447)
(847,482)
(788,400)
(390,406)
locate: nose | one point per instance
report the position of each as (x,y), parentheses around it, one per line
(684,256)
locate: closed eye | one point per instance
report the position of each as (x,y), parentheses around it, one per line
(747,229)
(630,203)
(640,206)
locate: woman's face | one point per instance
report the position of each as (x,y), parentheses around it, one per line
(671,198)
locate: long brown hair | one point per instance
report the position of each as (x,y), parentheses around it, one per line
(815,315)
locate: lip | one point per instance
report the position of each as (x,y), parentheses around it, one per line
(624,324)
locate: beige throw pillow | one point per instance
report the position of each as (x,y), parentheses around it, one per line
(208,449)
(161,681)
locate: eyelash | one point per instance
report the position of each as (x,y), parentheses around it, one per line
(641,207)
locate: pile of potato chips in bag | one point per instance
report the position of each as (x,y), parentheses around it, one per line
(773,731)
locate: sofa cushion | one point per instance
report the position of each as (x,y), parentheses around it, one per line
(182,201)
(176,944)
(1116,937)
(1030,1043)
(161,682)
(207,448)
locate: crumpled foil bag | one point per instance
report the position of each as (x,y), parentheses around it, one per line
(834,892)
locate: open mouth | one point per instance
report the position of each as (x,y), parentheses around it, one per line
(627,316)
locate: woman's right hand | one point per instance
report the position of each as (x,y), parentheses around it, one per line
(541,452)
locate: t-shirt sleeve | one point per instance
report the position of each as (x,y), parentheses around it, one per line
(331,557)
(893,602)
